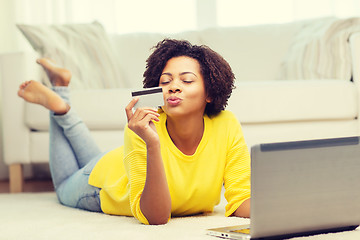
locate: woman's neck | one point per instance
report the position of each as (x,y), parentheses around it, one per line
(186,134)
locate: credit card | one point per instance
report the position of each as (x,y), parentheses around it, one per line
(149,97)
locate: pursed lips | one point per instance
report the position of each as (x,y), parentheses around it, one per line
(173,100)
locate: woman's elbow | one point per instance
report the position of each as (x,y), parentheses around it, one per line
(243,210)
(159,220)
(156,215)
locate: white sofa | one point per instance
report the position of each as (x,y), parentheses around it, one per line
(270,109)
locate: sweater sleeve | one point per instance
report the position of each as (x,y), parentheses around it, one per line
(237,169)
(135,166)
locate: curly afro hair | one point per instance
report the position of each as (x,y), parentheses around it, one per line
(216,71)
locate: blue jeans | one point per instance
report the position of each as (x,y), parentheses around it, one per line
(73,154)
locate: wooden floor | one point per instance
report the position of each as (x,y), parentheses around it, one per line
(30,186)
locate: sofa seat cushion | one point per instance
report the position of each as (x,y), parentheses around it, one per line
(296,100)
(252,102)
(100,109)
(106,140)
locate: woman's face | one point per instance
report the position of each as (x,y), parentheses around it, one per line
(183,87)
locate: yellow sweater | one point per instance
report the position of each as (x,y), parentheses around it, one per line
(194,181)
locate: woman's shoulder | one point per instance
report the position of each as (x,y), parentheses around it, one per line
(224,115)
(225,121)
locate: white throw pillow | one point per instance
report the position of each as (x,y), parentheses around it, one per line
(320,50)
(84,49)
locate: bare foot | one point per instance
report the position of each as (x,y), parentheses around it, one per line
(58,76)
(35,92)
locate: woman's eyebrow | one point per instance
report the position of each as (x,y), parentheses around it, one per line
(183,73)
(166,73)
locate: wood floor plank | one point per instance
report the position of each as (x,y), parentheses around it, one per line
(30,186)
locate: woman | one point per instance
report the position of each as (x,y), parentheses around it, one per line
(174,161)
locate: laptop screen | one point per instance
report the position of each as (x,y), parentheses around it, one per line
(305,186)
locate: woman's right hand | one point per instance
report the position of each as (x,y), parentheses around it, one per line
(155,201)
(141,121)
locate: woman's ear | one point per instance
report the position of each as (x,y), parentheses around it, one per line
(208,100)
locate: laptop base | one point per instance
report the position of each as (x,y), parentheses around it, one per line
(242,232)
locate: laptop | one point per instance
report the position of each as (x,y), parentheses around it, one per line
(301,188)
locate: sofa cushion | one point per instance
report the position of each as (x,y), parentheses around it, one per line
(83,48)
(254,53)
(100,109)
(134,48)
(297,131)
(296,100)
(252,102)
(106,140)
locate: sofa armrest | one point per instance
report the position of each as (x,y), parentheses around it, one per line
(14,69)
(354,42)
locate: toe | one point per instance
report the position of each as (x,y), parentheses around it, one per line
(20,92)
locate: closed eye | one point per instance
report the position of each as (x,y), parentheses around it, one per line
(164,82)
(187,81)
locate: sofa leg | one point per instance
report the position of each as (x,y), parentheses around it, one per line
(16,178)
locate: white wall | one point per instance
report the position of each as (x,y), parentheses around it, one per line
(8,41)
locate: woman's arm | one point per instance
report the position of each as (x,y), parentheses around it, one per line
(237,172)
(155,201)
(243,210)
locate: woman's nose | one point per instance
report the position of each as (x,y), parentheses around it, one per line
(174,88)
